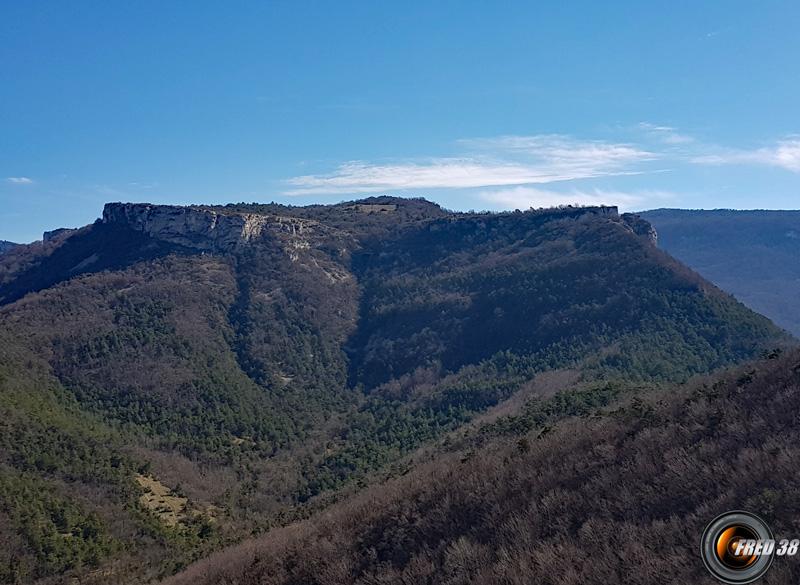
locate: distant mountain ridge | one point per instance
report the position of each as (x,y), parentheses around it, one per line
(5,246)
(248,362)
(754,255)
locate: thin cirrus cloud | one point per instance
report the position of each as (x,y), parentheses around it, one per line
(492,162)
(666,134)
(20,180)
(785,155)
(516,171)
(523,197)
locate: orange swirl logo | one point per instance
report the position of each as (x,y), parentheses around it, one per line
(738,547)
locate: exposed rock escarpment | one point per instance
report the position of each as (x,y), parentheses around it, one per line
(57,233)
(641,227)
(210,229)
(199,228)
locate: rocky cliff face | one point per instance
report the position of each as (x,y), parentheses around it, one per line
(215,229)
(57,233)
(204,229)
(641,227)
(569,211)
(186,226)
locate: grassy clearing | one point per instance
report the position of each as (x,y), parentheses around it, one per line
(168,506)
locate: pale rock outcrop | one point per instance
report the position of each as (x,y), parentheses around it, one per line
(57,233)
(202,229)
(641,227)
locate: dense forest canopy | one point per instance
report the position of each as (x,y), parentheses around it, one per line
(616,493)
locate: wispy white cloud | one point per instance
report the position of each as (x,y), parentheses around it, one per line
(785,154)
(525,162)
(20,180)
(719,32)
(563,151)
(527,197)
(490,162)
(665,134)
(138,185)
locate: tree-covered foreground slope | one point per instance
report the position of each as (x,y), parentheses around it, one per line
(620,495)
(176,379)
(751,254)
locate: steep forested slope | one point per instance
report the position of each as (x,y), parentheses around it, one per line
(223,370)
(68,499)
(754,255)
(458,292)
(621,495)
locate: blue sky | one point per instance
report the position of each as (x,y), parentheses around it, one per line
(476,105)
